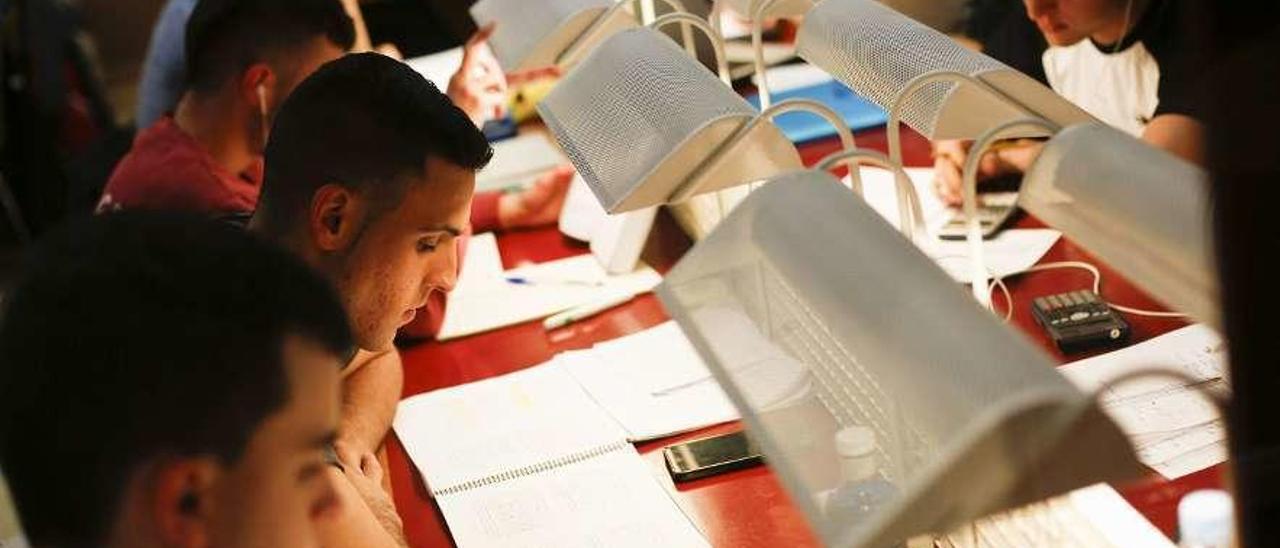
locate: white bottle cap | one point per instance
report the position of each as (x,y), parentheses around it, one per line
(1206,518)
(855,441)
(856,446)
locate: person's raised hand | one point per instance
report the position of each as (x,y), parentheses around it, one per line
(479,87)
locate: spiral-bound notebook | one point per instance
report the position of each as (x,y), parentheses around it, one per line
(529,459)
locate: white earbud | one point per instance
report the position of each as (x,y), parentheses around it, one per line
(262,100)
(262,108)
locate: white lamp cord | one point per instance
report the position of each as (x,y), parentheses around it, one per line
(998,281)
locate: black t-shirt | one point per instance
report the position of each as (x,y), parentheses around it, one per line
(1156,53)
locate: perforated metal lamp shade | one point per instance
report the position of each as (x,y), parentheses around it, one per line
(1140,210)
(815,315)
(879,52)
(639,118)
(533,34)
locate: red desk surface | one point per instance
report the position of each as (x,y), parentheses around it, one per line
(750,507)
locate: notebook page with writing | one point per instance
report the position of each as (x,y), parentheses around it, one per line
(652,382)
(485,431)
(1175,430)
(609,500)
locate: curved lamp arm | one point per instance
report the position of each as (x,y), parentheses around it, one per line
(717,42)
(686,34)
(713,16)
(978,273)
(757,48)
(790,105)
(910,218)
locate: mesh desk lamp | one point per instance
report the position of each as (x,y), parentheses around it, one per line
(536,34)
(815,316)
(1145,212)
(932,83)
(646,124)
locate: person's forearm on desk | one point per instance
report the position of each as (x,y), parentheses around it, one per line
(1179,134)
(370,394)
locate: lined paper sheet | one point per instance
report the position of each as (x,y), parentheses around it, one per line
(1174,429)
(612,500)
(483,299)
(653,383)
(474,431)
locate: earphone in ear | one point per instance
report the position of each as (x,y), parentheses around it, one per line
(262,108)
(262,100)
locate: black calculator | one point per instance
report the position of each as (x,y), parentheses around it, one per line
(1079,321)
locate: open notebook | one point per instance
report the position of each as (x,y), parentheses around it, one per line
(528,459)
(542,457)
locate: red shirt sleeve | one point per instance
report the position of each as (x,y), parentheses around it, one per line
(484,212)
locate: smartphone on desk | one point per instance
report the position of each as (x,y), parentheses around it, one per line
(710,456)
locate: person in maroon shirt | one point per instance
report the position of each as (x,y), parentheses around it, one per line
(206,157)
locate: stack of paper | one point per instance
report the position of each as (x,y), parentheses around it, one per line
(1173,427)
(485,298)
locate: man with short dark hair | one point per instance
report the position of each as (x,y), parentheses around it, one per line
(191,400)
(243,57)
(369,178)
(158,173)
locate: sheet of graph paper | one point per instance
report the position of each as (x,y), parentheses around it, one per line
(1174,428)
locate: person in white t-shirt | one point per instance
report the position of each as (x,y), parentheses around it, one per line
(1127,62)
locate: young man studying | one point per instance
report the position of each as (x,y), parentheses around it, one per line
(369,178)
(242,58)
(191,404)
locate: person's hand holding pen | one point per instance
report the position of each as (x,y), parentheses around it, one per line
(1006,158)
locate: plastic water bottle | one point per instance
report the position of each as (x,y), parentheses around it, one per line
(1206,519)
(864,490)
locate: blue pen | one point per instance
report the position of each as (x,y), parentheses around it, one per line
(517,280)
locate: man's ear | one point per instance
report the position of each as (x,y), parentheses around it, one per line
(335,217)
(182,501)
(259,76)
